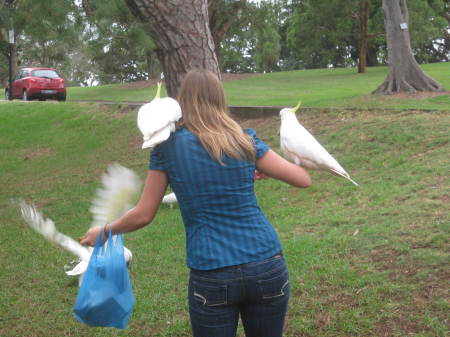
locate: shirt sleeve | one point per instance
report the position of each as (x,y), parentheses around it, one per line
(260,147)
(157,160)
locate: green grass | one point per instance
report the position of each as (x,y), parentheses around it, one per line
(364,261)
(341,87)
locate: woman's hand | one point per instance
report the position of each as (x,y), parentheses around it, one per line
(90,237)
(260,176)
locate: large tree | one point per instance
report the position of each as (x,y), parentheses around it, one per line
(181,34)
(405,75)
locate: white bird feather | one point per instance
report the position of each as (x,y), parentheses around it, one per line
(170,199)
(298,145)
(47,228)
(120,188)
(156,120)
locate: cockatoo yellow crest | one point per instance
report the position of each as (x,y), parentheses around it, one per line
(298,145)
(156,120)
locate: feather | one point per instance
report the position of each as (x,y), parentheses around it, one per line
(170,199)
(121,187)
(156,120)
(46,227)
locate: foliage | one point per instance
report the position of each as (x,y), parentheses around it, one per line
(268,39)
(46,33)
(325,33)
(253,42)
(238,47)
(118,44)
(428,26)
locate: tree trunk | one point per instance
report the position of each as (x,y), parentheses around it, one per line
(405,75)
(372,60)
(182,36)
(14,58)
(363,35)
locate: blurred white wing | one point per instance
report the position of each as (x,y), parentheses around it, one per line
(46,227)
(121,187)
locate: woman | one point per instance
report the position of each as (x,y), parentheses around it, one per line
(233,252)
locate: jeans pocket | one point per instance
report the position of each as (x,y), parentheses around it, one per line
(209,295)
(274,287)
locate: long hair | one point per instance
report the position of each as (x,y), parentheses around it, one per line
(205,114)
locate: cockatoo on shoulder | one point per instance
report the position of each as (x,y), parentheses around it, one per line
(156,120)
(298,145)
(120,189)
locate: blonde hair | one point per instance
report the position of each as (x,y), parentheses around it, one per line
(205,114)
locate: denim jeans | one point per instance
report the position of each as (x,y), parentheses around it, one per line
(258,291)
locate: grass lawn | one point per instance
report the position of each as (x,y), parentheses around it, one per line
(364,261)
(341,87)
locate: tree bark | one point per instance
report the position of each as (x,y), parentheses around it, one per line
(180,30)
(363,34)
(405,75)
(372,60)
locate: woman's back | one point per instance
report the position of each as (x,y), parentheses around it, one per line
(224,225)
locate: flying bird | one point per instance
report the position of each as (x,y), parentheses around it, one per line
(298,145)
(120,188)
(156,120)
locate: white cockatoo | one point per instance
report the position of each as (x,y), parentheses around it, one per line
(120,189)
(156,120)
(170,199)
(298,145)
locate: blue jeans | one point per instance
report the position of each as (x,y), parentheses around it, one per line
(259,291)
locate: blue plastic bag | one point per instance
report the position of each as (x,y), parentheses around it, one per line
(105,297)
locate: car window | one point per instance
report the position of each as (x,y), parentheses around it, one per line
(45,73)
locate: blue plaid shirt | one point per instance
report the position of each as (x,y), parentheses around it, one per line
(223,222)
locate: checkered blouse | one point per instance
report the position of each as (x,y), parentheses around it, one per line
(223,222)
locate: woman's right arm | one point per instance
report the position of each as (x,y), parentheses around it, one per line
(275,166)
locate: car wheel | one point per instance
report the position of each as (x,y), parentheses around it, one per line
(25,96)
(62,98)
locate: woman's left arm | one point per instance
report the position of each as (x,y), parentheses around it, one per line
(139,216)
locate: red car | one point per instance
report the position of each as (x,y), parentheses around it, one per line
(40,83)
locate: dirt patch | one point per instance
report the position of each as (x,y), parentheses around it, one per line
(135,143)
(150,83)
(35,153)
(430,285)
(417,95)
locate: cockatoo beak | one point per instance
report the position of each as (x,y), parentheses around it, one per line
(158,91)
(294,109)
